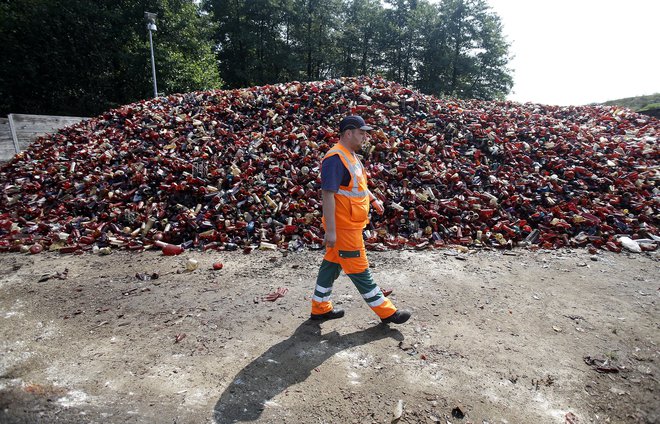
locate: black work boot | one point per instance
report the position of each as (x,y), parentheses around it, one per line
(399,317)
(333,314)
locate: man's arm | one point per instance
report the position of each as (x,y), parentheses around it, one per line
(330,236)
(377,204)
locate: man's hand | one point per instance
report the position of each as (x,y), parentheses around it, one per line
(378,206)
(329,239)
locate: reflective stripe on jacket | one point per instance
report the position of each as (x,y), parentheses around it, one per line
(351,201)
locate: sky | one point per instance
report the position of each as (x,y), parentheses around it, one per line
(575,52)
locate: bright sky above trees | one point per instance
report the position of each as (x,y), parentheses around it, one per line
(581,51)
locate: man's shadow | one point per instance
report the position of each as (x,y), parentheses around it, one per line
(287,363)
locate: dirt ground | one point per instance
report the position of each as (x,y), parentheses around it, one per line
(496,337)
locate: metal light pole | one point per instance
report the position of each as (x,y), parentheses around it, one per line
(151,26)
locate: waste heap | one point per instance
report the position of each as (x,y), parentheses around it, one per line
(239,169)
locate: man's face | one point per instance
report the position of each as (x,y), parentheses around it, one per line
(356,139)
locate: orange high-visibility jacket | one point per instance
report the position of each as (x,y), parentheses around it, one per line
(351,201)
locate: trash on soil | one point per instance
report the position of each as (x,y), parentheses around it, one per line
(601,365)
(272,297)
(408,348)
(618,391)
(571,418)
(630,244)
(397,412)
(191,264)
(59,275)
(172,250)
(457,413)
(143,276)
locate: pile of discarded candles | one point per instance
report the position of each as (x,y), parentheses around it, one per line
(239,169)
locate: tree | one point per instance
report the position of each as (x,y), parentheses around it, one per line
(466,55)
(434,54)
(357,41)
(397,39)
(79,57)
(492,79)
(314,39)
(266,41)
(186,57)
(74,57)
(246,38)
(451,48)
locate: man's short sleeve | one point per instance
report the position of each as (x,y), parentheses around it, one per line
(334,174)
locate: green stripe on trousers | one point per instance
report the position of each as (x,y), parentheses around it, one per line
(363,281)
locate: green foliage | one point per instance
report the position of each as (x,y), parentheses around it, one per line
(185,51)
(357,44)
(638,104)
(75,57)
(466,53)
(454,48)
(249,48)
(652,106)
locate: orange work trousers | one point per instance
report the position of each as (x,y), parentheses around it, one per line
(349,255)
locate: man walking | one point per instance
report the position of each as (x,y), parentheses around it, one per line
(346,200)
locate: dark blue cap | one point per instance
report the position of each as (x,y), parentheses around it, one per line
(352,123)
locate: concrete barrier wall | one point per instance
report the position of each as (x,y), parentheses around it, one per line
(7,149)
(17,131)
